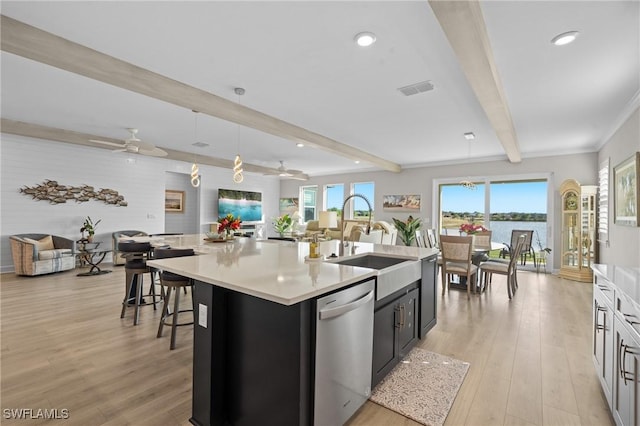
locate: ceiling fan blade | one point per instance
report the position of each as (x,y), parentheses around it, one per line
(106,142)
(300,176)
(294,172)
(120,150)
(141,144)
(155,152)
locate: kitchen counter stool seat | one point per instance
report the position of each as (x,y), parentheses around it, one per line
(135,268)
(174,283)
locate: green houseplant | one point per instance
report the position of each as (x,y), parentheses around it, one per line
(89,227)
(282,224)
(407,229)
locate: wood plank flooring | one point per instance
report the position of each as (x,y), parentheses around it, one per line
(63,346)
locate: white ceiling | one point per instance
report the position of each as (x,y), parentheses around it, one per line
(298,62)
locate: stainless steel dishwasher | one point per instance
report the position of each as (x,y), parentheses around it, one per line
(344,349)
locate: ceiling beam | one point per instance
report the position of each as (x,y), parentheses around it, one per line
(41,46)
(464,26)
(37,131)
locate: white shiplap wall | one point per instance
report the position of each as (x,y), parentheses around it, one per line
(141,179)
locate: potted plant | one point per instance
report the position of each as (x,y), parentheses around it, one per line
(282,224)
(407,229)
(228,224)
(89,227)
(542,254)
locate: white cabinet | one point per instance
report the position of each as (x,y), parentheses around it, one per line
(603,337)
(626,408)
(616,339)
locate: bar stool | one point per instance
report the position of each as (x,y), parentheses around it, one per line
(173,282)
(135,268)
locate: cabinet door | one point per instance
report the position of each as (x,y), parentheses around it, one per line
(408,332)
(428,299)
(385,348)
(625,403)
(603,343)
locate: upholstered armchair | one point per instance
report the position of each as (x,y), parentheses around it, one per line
(37,254)
(122,235)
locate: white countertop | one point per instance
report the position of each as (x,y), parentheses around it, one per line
(270,269)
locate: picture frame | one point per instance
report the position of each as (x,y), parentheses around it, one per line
(173,201)
(626,191)
(407,203)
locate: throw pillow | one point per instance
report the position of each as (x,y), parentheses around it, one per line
(45,243)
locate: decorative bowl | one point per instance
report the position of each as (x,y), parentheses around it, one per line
(214,235)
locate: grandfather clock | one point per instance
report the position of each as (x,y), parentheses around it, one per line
(578,230)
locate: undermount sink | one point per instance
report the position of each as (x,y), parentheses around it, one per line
(394,273)
(371,261)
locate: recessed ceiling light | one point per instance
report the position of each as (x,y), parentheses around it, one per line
(365,39)
(357,161)
(200,144)
(469,136)
(564,38)
(299,144)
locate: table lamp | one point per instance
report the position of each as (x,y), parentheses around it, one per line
(327,220)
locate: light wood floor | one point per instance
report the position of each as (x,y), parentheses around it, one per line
(64,346)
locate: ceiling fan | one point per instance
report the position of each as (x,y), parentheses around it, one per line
(289,173)
(134,145)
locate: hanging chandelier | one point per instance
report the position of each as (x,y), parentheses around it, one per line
(466,183)
(237,163)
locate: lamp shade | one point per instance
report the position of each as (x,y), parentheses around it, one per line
(328,220)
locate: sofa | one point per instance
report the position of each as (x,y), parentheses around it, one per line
(37,254)
(122,235)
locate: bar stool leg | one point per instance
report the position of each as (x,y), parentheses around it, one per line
(165,311)
(126,297)
(136,315)
(174,324)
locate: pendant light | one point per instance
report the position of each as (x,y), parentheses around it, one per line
(195,171)
(237,163)
(466,183)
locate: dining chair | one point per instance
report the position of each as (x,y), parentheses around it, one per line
(431,236)
(420,239)
(510,270)
(527,250)
(456,260)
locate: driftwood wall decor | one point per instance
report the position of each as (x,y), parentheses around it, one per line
(55,193)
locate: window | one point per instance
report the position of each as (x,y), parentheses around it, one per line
(360,209)
(501,204)
(460,205)
(308,194)
(603,202)
(333,198)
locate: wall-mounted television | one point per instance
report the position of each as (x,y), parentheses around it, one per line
(246,204)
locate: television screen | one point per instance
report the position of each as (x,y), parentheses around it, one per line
(245,204)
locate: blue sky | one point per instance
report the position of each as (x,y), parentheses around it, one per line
(525,197)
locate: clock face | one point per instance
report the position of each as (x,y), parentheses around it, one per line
(571,201)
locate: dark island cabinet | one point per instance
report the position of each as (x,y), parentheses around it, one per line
(428,299)
(395,330)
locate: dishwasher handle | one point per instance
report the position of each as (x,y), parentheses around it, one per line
(343,309)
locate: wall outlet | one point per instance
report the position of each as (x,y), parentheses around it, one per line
(202,315)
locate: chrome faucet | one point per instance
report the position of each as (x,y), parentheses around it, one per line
(342,243)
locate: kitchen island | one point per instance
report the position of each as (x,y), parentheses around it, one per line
(255,323)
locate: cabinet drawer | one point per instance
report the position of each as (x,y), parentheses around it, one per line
(605,287)
(629,313)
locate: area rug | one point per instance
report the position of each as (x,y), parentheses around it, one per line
(422,387)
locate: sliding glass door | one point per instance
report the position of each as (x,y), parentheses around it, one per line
(500,204)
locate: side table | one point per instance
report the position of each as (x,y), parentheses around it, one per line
(91,254)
